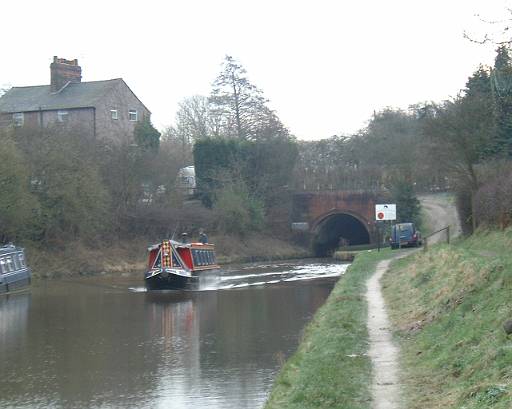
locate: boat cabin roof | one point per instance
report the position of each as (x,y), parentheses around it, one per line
(9,248)
(181,245)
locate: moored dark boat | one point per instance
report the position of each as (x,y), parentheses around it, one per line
(180,266)
(14,272)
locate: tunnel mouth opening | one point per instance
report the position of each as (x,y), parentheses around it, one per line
(339,230)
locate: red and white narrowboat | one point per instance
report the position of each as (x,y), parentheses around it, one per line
(180,266)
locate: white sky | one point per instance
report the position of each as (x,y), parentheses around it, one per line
(325,65)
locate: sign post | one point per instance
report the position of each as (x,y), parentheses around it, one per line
(384,212)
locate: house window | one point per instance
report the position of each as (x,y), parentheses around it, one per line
(132,115)
(18,119)
(113,114)
(62,116)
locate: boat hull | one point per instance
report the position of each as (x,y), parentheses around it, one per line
(16,281)
(170,281)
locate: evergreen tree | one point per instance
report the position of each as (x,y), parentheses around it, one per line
(238,108)
(146,136)
(501,80)
(407,204)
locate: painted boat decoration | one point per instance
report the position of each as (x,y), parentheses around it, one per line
(180,266)
(14,272)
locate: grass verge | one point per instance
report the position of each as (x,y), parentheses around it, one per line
(449,306)
(331,368)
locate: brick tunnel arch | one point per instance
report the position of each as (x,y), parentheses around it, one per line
(338,228)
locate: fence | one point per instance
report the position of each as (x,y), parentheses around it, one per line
(425,239)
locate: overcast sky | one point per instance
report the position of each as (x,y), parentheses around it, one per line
(325,65)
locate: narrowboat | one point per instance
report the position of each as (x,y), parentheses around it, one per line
(14,272)
(180,266)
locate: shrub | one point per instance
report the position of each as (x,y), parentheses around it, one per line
(237,211)
(493,200)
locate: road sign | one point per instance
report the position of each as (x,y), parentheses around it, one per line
(385,212)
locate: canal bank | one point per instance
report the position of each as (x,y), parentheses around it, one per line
(129,256)
(448,308)
(332,368)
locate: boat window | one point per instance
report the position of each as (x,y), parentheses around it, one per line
(16,261)
(209,257)
(2,268)
(195,258)
(8,264)
(21,258)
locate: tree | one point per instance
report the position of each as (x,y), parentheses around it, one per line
(408,205)
(237,210)
(501,81)
(238,108)
(236,100)
(18,207)
(66,180)
(146,136)
(194,121)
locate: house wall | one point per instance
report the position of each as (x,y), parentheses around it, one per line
(123,100)
(77,118)
(94,121)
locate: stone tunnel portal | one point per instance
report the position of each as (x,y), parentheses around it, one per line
(337,230)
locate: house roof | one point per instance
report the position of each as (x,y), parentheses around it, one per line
(73,95)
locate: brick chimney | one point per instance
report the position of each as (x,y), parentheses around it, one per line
(64,71)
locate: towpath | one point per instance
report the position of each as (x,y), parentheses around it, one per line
(384,353)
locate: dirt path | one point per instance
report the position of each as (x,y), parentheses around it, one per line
(440,212)
(383,352)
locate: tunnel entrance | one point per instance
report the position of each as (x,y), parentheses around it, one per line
(337,230)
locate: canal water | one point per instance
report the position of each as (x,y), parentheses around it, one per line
(103,342)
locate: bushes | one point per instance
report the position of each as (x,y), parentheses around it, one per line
(237,211)
(18,207)
(493,200)
(265,166)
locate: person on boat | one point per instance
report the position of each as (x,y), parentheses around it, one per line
(203,238)
(184,238)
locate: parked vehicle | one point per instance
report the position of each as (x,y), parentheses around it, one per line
(14,272)
(404,235)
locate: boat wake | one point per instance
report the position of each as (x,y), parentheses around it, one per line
(270,274)
(280,274)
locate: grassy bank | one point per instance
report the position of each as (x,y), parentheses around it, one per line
(129,256)
(330,368)
(449,306)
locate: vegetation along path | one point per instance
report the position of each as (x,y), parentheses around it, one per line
(383,352)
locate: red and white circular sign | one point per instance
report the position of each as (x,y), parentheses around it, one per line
(380,215)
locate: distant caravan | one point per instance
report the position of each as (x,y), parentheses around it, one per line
(187,180)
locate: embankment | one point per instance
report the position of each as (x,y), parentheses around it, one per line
(331,368)
(448,307)
(129,256)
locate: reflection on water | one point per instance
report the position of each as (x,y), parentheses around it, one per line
(13,318)
(88,344)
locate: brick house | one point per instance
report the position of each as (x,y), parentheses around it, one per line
(106,110)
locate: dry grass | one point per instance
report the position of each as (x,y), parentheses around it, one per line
(449,305)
